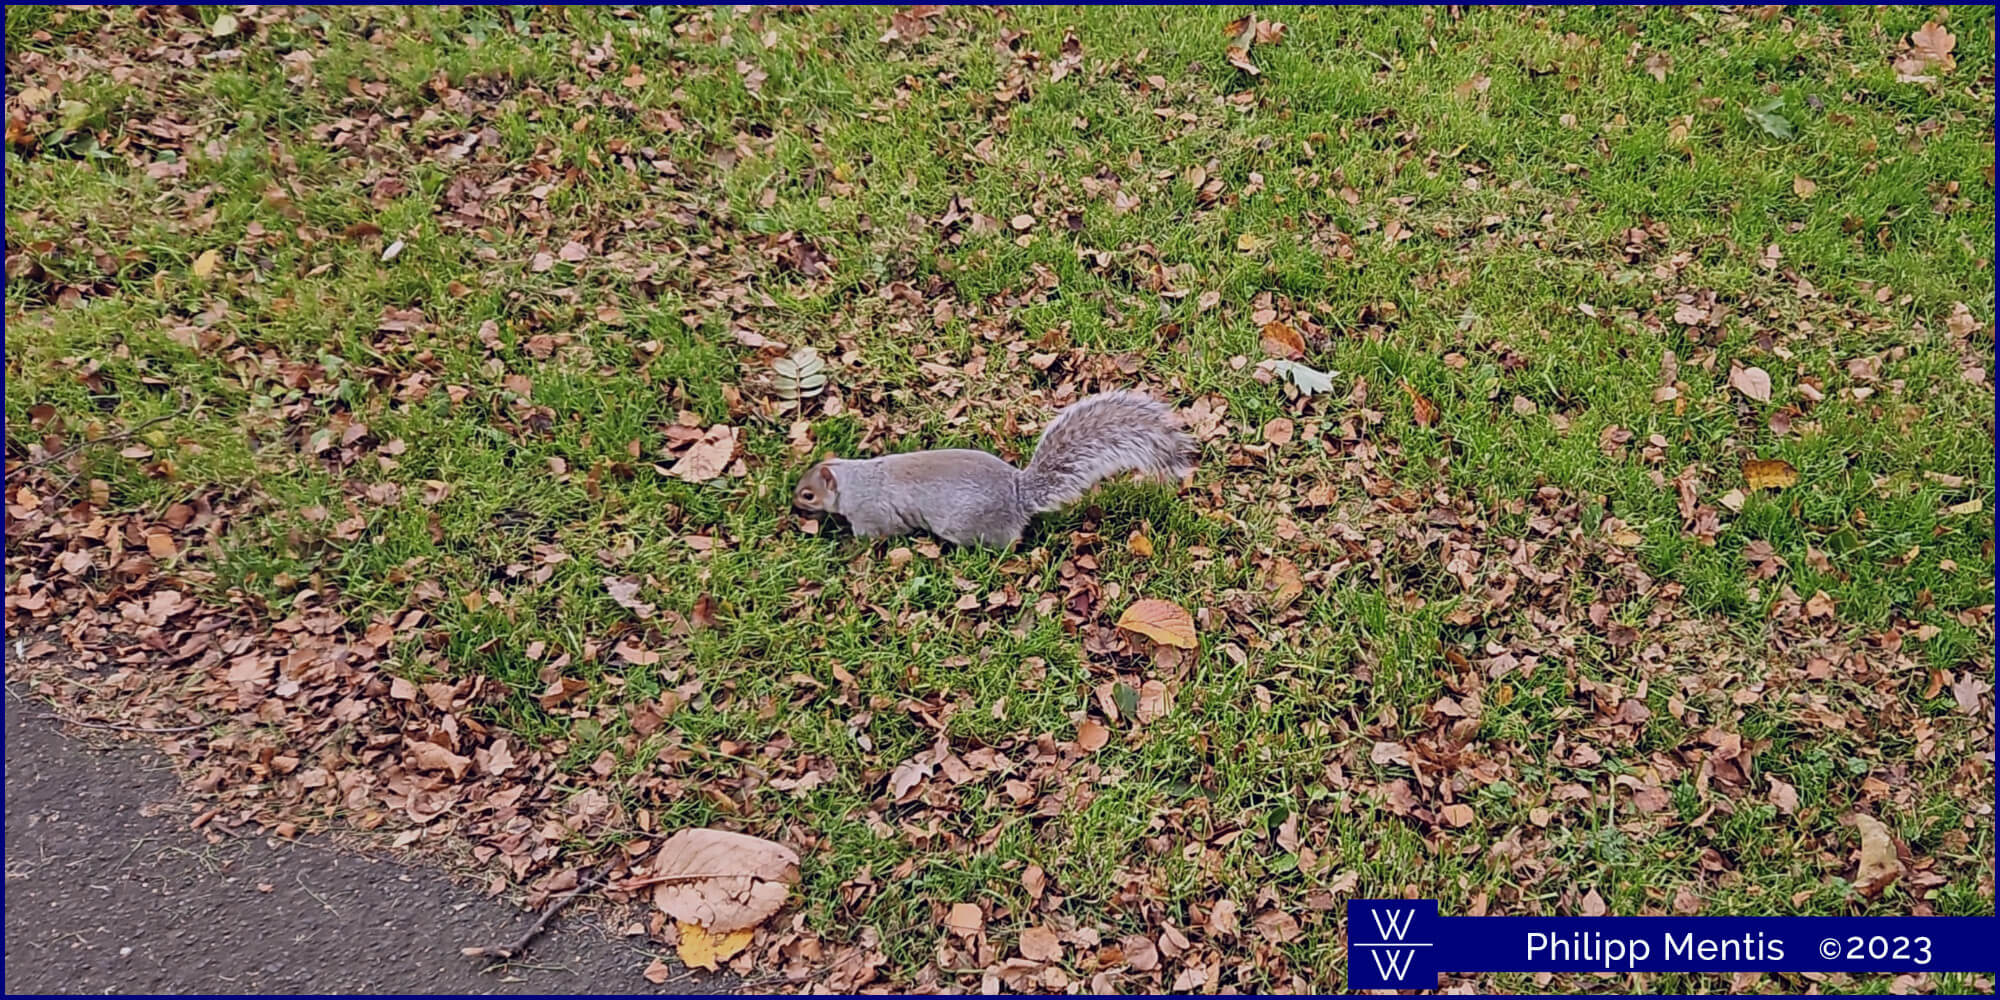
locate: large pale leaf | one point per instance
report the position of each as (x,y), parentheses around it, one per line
(721,880)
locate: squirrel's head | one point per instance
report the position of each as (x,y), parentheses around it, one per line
(816,488)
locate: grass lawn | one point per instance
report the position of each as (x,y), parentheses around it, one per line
(400,323)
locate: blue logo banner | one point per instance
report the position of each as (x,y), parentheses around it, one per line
(1404,944)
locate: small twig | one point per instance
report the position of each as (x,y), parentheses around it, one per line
(301,879)
(123,727)
(106,439)
(521,943)
(642,881)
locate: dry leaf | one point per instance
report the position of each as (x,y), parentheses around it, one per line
(1961,322)
(1426,411)
(1039,944)
(1222,919)
(965,920)
(700,949)
(721,880)
(1930,47)
(1456,814)
(1803,187)
(707,458)
(1879,866)
(1154,703)
(431,757)
(206,264)
(907,775)
(561,690)
(1161,621)
(1281,341)
(1244,34)
(1752,382)
(1283,581)
(1769,474)
(1658,65)
(1783,795)
(1092,735)
(1278,431)
(625,590)
(1140,952)
(1277,926)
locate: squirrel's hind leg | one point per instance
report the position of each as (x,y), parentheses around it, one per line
(865,526)
(990,536)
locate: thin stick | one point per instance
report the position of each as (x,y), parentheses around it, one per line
(124,728)
(642,881)
(521,943)
(106,439)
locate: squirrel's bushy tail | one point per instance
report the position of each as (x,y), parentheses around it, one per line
(1101,436)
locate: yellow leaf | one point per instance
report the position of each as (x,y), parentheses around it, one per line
(701,950)
(1139,545)
(206,264)
(1771,474)
(1161,621)
(1248,243)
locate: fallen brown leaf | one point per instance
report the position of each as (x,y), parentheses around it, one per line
(1879,865)
(1154,702)
(1040,944)
(1161,621)
(1752,382)
(1278,432)
(721,880)
(1783,795)
(1426,411)
(1092,735)
(1279,340)
(709,457)
(965,920)
(1284,583)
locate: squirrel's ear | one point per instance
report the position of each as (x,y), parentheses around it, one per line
(826,473)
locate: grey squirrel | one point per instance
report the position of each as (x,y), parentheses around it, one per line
(973,498)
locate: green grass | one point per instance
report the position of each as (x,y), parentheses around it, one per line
(1520,148)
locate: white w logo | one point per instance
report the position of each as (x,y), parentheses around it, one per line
(1397,925)
(1393,964)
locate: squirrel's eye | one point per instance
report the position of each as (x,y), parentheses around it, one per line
(806,495)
